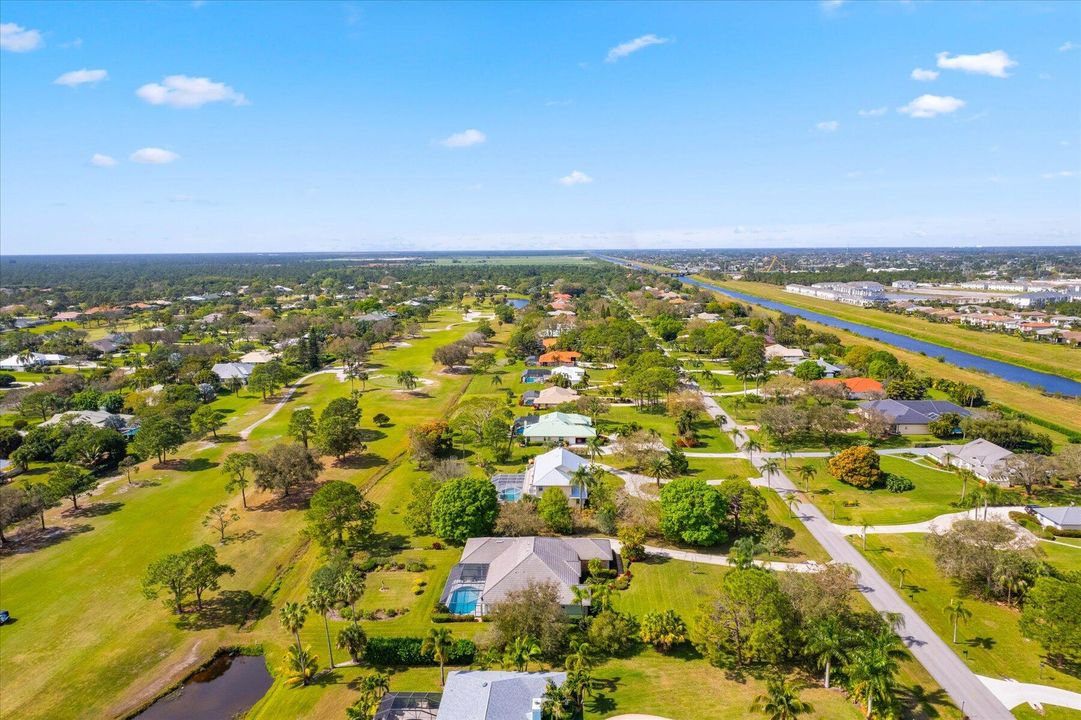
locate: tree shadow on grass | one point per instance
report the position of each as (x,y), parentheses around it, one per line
(599,703)
(370,435)
(93,510)
(197,465)
(297,499)
(242,537)
(363,461)
(229,607)
(28,541)
(223,438)
(983,643)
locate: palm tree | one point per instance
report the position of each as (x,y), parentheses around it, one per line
(949,457)
(372,689)
(793,504)
(582,594)
(438,644)
(580,480)
(958,613)
(581,657)
(658,467)
(497,379)
(873,667)
(901,572)
(300,665)
(826,641)
(781,701)
(743,552)
(769,469)
(807,474)
(349,588)
(292,616)
(521,653)
(594,444)
(321,601)
(601,597)
(786,452)
(751,447)
(407,379)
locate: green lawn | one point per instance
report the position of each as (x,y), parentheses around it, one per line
(936,492)
(991,638)
(710,437)
(721,468)
(660,584)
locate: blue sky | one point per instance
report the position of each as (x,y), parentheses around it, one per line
(221,126)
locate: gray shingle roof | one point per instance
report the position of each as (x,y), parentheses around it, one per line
(914,412)
(493,694)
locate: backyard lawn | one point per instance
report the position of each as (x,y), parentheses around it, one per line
(990,641)
(661,583)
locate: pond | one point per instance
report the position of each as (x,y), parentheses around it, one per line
(229,685)
(1006,371)
(517,303)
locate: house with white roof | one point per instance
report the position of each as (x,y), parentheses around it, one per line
(256,357)
(555,427)
(792,356)
(1060,518)
(554,468)
(572,373)
(981,457)
(122,423)
(492,695)
(229,370)
(29,360)
(493,567)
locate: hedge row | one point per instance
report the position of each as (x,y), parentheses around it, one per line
(390,651)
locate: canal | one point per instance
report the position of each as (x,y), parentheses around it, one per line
(1014,373)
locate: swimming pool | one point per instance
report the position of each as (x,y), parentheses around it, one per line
(463,601)
(510,494)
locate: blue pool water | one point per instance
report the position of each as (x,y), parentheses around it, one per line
(463,600)
(510,494)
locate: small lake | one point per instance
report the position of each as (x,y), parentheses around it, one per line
(1014,373)
(517,303)
(229,685)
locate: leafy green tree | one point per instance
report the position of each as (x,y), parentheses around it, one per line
(521,652)
(158,436)
(463,508)
(39,497)
(207,419)
(236,466)
(694,512)
(338,435)
(750,621)
(302,425)
(555,511)
(204,571)
(745,506)
(873,666)
(438,642)
(339,515)
(1052,616)
(809,370)
(285,467)
(781,700)
(826,641)
(71,481)
(373,687)
(169,573)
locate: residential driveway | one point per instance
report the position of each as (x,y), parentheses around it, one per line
(937,524)
(711,559)
(1013,693)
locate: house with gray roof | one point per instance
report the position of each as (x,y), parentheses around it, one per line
(491,568)
(912,417)
(229,370)
(495,694)
(1060,518)
(555,427)
(981,457)
(554,468)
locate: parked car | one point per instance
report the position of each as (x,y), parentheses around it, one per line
(4,616)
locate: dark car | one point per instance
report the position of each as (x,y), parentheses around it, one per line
(4,616)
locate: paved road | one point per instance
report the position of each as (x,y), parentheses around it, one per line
(1013,693)
(710,559)
(942,522)
(962,685)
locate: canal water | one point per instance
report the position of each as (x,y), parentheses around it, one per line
(1014,373)
(228,686)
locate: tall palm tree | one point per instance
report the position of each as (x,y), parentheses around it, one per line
(769,468)
(957,613)
(786,452)
(438,644)
(826,641)
(292,616)
(582,595)
(872,668)
(807,474)
(781,701)
(581,657)
(407,379)
(321,601)
(793,504)
(901,572)
(949,457)
(751,447)
(580,480)
(521,652)
(594,445)
(349,588)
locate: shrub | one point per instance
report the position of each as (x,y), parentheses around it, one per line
(399,651)
(857,466)
(416,566)
(446,617)
(899,484)
(613,633)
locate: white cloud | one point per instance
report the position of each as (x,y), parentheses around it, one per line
(1068,46)
(828,126)
(925,75)
(99,160)
(81,77)
(928,106)
(181,91)
(993,63)
(16,38)
(466,138)
(577,177)
(624,49)
(873,112)
(830,5)
(154,156)
(1060,174)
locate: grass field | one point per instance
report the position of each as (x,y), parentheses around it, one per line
(1045,357)
(990,642)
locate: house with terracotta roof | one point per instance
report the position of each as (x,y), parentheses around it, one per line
(856,388)
(559,357)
